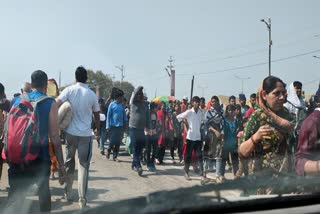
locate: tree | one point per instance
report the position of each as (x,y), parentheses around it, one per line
(126,87)
(101,80)
(105,84)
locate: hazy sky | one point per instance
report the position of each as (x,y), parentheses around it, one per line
(209,39)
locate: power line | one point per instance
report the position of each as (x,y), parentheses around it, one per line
(297,41)
(255,43)
(252,65)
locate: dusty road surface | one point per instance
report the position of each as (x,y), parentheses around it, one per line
(110,181)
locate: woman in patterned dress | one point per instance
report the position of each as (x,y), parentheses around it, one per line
(268,131)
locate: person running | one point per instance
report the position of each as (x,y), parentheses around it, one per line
(116,121)
(139,121)
(194,118)
(38,171)
(84,103)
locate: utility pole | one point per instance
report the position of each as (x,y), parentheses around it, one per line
(59,79)
(270,41)
(98,90)
(172,74)
(192,82)
(202,87)
(121,68)
(242,79)
(113,78)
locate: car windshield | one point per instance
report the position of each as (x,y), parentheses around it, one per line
(158,106)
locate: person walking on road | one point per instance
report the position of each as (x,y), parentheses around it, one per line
(116,121)
(22,175)
(139,121)
(153,138)
(103,117)
(84,103)
(193,117)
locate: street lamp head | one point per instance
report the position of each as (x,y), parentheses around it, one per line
(262,20)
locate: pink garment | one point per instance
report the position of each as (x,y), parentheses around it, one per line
(308,148)
(248,113)
(166,125)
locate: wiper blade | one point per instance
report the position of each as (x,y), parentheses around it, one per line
(195,199)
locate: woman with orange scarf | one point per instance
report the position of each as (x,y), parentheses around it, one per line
(268,131)
(53,91)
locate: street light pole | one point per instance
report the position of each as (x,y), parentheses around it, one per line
(270,41)
(202,87)
(242,80)
(121,68)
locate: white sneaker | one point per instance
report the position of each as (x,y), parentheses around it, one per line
(67,196)
(82,204)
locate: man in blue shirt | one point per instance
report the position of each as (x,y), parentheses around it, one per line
(116,120)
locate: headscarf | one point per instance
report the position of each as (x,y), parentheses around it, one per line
(318,91)
(293,97)
(282,124)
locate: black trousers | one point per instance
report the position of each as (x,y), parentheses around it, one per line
(193,145)
(21,180)
(161,150)
(178,143)
(151,149)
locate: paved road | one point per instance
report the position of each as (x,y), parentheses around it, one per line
(112,181)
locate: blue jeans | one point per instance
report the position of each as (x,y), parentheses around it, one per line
(116,134)
(221,162)
(137,139)
(102,135)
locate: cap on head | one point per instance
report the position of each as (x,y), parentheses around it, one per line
(242,97)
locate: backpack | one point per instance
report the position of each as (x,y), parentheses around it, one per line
(22,140)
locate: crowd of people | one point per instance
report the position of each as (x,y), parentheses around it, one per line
(277,132)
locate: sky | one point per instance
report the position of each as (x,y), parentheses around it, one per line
(222,43)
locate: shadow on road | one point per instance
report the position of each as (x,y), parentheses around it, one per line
(167,172)
(95,178)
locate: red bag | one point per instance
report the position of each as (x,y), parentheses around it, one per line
(21,132)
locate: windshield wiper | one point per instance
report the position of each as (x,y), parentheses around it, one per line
(209,196)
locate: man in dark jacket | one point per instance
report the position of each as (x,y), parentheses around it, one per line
(139,121)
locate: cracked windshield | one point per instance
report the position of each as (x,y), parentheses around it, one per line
(159,106)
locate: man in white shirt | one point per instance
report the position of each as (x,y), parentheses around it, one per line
(79,134)
(294,98)
(194,118)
